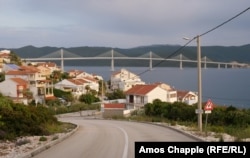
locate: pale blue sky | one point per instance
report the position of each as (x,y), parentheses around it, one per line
(121,23)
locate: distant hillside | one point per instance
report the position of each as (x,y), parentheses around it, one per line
(215,53)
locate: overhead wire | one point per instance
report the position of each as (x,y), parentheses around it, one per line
(189,41)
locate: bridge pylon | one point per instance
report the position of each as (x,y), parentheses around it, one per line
(112,60)
(150,61)
(62,61)
(180,61)
(218,65)
(205,62)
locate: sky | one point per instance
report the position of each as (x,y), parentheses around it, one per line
(121,23)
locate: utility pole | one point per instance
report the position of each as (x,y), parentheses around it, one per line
(199,111)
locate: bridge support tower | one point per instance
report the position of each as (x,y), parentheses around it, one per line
(205,62)
(112,60)
(150,61)
(62,61)
(180,61)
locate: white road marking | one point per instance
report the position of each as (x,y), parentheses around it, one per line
(125,151)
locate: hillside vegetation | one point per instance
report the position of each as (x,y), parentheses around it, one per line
(222,119)
(21,120)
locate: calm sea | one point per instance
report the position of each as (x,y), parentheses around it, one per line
(223,86)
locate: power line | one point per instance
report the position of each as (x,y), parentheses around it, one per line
(225,22)
(182,47)
(169,56)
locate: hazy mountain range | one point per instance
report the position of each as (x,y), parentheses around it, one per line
(240,54)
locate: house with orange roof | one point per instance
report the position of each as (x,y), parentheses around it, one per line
(79,74)
(187,97)
(139,95)
(4,56)
(45,71)
(16,89)
(38,84)
(124,80)
(50,65)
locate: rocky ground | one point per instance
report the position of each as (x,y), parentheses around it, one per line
(20,148)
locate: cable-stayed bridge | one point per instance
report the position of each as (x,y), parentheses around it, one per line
(112,55)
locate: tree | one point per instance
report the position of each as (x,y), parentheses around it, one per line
(2,76)
(87,87)
(15,59)
(68,96)
(27,93)
(56,76)
(87,98)
(149,109)
(102,87)
(117,94)
(65,75)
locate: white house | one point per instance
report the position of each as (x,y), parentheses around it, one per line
(82,74)
(187,97)
(15,88)
(77,86)
(139,95)
(171,92)
(124,80)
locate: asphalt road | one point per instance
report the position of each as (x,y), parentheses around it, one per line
(107,138)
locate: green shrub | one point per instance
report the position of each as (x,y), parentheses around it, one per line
(43,139)
(22,120)
(217,129)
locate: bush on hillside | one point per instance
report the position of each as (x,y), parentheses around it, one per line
(21,120)
(220,116)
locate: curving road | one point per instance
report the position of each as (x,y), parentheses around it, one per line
(107,138)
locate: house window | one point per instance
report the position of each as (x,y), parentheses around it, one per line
(172,95)
(142,99)
(131,99)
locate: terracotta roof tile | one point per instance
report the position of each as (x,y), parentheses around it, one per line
(181,94)
(19,81)
(4,55)
(16,72)
(114,106)
(47,64)
(141,89)
(77,81)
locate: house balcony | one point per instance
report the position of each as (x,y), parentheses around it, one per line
(135,105)
(40,84)
(36,78)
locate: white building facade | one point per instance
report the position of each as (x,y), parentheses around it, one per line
(124,80)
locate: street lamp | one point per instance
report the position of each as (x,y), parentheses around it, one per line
(199,111)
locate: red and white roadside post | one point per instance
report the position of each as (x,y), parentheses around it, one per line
(208,109)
